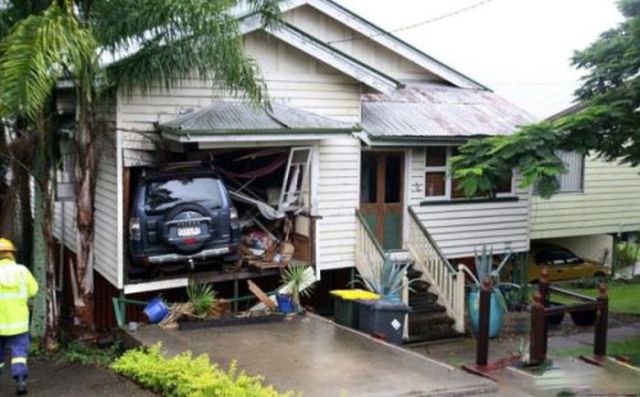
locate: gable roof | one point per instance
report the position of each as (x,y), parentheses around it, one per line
(223,117)
(383,38)
(333,57)
(439,111)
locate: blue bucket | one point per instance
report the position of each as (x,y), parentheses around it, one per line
(156,310)
(285,303)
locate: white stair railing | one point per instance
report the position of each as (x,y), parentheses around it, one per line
(369,253)
(446,281)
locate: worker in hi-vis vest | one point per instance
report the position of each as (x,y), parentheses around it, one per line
(17,285)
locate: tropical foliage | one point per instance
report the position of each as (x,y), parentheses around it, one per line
(201,296)
(297,279)
(386,279)
(606,124)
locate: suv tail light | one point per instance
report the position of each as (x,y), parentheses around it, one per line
(134,229)
(233,213)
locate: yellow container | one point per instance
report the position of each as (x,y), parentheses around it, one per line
(354,294)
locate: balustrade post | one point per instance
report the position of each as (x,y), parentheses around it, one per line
(482,347)
(460,299)
(600,338)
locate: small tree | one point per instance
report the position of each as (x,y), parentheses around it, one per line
(607,125)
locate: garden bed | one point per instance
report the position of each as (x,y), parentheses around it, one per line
(195,323)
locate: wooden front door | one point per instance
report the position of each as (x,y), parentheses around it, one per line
(382,195)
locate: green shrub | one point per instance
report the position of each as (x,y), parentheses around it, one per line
(627,254)
(90,355)
(202,297)
(186,376)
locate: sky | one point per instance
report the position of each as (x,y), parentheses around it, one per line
(519,48)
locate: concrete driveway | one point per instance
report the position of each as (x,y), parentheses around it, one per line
(319,358)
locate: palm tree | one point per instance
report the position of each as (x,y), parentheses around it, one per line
(153,41)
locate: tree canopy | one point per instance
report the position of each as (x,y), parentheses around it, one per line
(607,123)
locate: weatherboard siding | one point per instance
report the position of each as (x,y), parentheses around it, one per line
(338,190)
(460,228)
(609,203)
(347,40)
(105,219)
(289,75)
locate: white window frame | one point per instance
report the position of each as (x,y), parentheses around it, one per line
(448,183)
(444,168)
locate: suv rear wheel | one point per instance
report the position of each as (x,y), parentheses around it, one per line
(187,227)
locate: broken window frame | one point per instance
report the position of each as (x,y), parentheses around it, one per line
(296,182)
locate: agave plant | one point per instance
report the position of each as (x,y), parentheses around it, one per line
(297,279)
(202,297)
(386,279)
(485,271)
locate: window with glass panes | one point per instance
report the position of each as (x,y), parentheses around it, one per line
(438,184)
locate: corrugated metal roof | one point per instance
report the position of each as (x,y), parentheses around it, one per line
(232,117)
(433,110)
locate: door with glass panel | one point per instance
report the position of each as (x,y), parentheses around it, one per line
(382,195)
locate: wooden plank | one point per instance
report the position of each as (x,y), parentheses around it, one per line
(259,293)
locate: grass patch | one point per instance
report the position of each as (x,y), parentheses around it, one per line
(626,348)
(623,297)
(90,355)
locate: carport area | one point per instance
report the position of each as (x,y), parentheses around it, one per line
(314,356)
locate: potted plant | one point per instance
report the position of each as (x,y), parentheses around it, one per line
(498,304)
(298,282)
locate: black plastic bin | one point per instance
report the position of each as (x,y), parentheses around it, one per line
(383,319)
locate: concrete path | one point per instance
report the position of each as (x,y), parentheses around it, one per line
(55,379)
(567,374)
(318,358)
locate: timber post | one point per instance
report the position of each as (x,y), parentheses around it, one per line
(537,343)
(602,320)
(545,296)
(543,287)
(482,347)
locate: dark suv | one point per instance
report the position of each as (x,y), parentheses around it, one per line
(182,214)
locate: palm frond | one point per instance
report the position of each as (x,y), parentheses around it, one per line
(36,53)
(168,41)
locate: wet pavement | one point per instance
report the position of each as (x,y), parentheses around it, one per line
(56,379)
(318,358)
(567,374)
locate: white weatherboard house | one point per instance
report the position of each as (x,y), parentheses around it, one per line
(380,119)
(597,201)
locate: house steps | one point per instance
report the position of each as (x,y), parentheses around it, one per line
(428,319)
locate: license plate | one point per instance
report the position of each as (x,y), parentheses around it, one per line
(188,231)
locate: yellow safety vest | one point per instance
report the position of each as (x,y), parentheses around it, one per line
(16,286)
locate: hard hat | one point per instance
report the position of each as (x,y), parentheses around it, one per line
(6,245)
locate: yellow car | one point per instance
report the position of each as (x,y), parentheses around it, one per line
(562,264)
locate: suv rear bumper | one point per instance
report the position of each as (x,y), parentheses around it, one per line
(202,255)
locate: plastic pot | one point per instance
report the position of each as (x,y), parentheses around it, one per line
(156,310)
(496,316)
(285,303)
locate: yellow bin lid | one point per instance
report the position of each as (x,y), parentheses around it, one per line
(354,294)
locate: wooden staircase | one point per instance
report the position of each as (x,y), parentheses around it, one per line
(429,319)
(436,293)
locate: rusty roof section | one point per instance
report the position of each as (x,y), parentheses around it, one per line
(234,117)
(435,110)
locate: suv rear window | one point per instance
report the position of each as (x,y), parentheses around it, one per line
(164,194)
